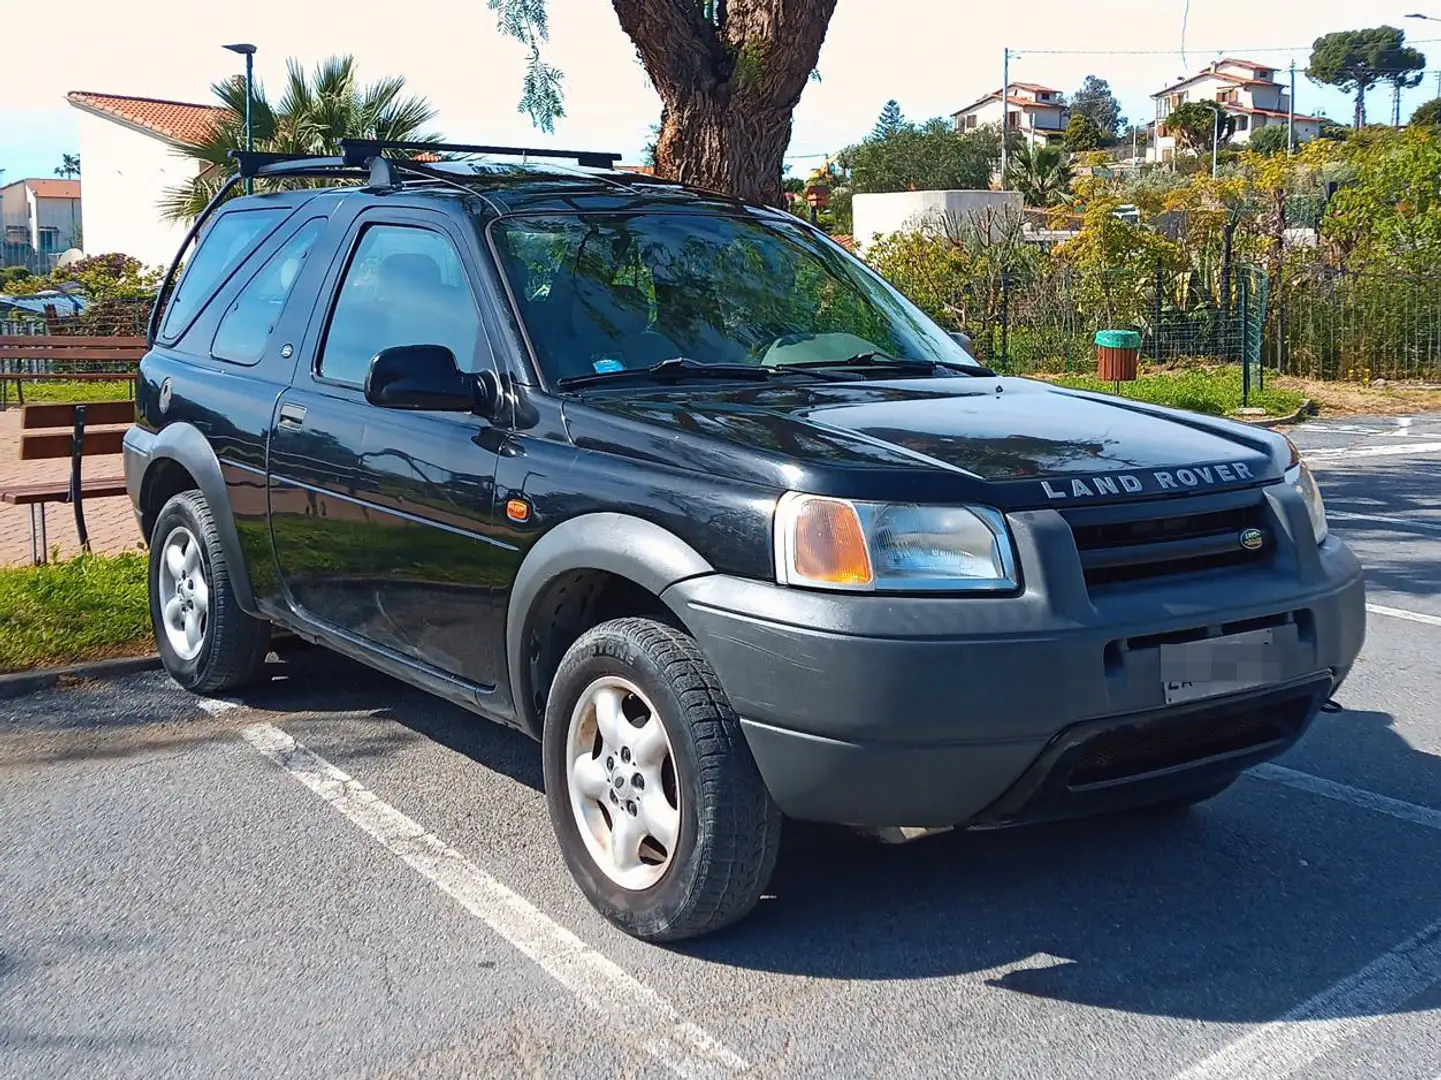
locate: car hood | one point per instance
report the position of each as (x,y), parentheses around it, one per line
(1057,445)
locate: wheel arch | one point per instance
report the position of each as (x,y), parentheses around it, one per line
(582,572)
(181,455)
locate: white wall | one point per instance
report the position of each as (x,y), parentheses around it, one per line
(61,214)
(125,174)
(910,211)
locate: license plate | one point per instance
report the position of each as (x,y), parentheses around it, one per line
(1194,670)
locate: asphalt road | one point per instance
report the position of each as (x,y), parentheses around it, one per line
(184,891)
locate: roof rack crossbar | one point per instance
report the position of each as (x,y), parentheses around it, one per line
(254,163)
(358,151)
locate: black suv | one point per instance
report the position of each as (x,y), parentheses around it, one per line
(685,491)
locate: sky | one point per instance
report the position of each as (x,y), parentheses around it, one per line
(933,56)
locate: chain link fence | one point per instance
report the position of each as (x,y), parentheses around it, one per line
(1360,327)
(1045,322)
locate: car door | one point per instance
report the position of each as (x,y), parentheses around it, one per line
(383,521)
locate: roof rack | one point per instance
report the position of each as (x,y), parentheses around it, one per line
(358,152)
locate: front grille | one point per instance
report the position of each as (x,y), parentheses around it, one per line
(1124,543)
(1127,753)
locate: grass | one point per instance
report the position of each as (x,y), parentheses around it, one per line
(67,390)
(1216,391)
(88,608)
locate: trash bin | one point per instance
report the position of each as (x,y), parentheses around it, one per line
(1116,354)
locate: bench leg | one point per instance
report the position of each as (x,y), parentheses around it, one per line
(77,494)
(39,542)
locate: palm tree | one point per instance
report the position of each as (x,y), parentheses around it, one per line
(1041,174)
(313,115)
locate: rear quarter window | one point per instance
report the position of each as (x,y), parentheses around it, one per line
(222,248)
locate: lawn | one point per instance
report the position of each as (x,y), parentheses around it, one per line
(1216,391)
(88,608)
(67,390)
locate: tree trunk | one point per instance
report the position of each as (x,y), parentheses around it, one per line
(1360,120)
(707,144)
(728,84)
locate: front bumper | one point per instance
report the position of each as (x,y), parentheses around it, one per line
(930,711)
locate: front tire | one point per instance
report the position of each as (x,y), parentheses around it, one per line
(660,811)
(206,642)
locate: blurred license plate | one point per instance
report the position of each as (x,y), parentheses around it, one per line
(1222,665)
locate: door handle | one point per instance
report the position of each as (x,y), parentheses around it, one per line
(292,416)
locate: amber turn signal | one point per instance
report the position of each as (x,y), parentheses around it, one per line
(830,546)
(517,510)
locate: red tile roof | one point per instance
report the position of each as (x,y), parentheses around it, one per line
(54,189)
(173,121)
(995,95)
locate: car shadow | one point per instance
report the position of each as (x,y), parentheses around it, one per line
(1386,548)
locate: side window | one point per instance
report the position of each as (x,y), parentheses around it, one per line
(246,327)
(221,249)
(404,286)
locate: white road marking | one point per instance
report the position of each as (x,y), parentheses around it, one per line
(1409,616)
(1399,450)
(1368,800)
(1287,1045)
(215,706)
(1402,428)
(1385,519)
(628,1006)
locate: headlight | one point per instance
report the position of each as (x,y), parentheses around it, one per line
(1299,476)
(833,543)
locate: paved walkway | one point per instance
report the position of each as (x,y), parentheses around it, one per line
(111,522)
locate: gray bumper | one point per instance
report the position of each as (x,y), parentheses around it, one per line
(871,710)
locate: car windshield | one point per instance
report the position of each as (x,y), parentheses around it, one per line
(624,292)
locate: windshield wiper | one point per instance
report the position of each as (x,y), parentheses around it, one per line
(884,361)
(675,367)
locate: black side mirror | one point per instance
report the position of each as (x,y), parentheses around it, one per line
(963,340)
(422,377)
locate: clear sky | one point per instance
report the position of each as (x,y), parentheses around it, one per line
(933,56)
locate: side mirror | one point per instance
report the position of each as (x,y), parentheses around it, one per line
(422,377)
(963,340)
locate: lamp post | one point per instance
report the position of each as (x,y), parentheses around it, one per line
(1429,18)
(247,51)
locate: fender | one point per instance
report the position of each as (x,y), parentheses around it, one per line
(186,446)
(629,547)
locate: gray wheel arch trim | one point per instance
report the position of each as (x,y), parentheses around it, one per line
(629,547)
(186,446)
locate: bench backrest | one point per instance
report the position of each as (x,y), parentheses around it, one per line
(71,348)
(47,431)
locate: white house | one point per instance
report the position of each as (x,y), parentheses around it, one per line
(128,147)
(1250,93)
(39,219)
(1038,113)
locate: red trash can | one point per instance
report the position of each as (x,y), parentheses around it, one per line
(1117,353)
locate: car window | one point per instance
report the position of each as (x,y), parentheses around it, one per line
(247,325)
(224,245)
(404,286)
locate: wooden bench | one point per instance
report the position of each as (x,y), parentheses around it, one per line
(34,358)
(75,431)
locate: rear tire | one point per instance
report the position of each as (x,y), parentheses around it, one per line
(659,809)
(206,642)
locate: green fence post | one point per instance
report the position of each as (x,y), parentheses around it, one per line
(1245,345)
(1160,290)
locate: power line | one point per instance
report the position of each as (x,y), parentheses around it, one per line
(1183,52)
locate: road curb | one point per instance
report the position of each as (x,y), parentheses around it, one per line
(19,683)
(1307,407)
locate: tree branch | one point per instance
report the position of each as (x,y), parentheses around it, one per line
(678,47)
(776,44)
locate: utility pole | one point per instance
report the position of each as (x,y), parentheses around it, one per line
(1291,115)
(1215,141)
(1005,114)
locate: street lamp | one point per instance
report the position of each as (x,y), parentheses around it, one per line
(247,51)
(1429,18)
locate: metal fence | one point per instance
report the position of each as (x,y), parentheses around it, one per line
(1333,325)
(1046,321)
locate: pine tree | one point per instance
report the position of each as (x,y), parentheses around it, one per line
(891,121)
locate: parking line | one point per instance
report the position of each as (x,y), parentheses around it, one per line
(1399,613)
(626,1004)
(1399,450)
(1287,1045)
(1385,519)
(1330,789)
